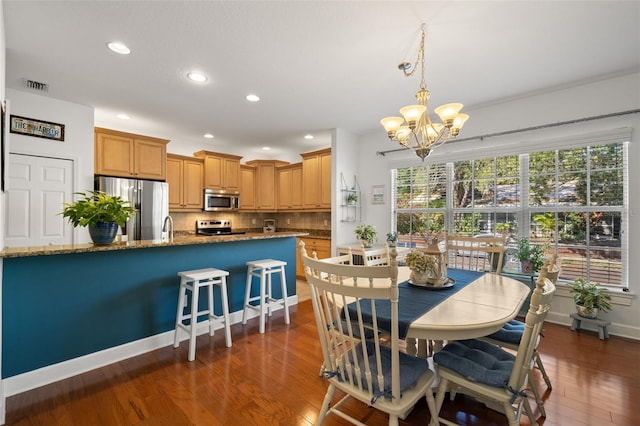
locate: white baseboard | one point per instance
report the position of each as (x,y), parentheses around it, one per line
(63,370)
(3,404)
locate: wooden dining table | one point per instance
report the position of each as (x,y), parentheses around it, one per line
(478,305)
(480,308)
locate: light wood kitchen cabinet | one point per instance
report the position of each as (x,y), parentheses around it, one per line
(266,189)
(129,155)
(316,179)
(221,171)
(247,187)
(185,176)
(290,187)
(321,246)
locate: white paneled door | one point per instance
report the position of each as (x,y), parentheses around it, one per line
(37,188)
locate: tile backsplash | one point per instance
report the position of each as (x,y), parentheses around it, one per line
(241,220)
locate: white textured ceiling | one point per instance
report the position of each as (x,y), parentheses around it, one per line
(316,65)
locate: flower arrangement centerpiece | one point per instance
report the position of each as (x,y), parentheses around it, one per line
(367,234)
(422,266)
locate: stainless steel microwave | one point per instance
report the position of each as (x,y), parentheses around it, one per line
(216,200)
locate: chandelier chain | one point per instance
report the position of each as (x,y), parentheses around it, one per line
(420,60)
(423,85)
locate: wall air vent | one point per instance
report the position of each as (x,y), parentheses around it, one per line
(36,85)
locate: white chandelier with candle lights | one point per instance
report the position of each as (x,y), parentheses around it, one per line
(417,131)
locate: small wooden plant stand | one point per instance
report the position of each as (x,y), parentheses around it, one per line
(603,333)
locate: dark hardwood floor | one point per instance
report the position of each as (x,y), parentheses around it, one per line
(272,379)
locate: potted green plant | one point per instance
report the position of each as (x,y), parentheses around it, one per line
(590,298)
(352,198)
(367,234)
(100,212)
(531,256)
(392,238)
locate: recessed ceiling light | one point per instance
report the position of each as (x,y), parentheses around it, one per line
(253,98)
(208,135)
(119,48)
(123,116)
(308,136)
(197,77)
(265,148)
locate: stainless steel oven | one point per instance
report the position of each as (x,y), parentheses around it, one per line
(215,227)
(215,200)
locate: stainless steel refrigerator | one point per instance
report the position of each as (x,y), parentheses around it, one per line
(149,198)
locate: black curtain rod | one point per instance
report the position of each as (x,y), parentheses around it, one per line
(527,129)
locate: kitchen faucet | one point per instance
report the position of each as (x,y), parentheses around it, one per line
(168,223)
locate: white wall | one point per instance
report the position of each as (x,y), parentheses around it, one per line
(78,140)
(344,159)
(621,93)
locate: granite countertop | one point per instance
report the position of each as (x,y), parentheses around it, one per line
(180,239)
(310,234)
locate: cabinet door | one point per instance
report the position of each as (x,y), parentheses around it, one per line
(114,155)
(311,182)
(321,247)
(213,172)
(299,265)
(193,185)
(231,177)
(247,188)
(325,180)
(296,187)
(284,189)
(174,179)
(266,186)
(150,160)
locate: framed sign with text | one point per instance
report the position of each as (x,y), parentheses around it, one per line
(37,128)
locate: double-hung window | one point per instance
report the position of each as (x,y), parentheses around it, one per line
(572,200)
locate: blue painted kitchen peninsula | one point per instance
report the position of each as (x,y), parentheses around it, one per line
(64,302)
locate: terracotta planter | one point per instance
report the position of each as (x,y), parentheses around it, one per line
(526,266)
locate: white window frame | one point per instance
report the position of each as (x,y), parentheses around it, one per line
(523,211)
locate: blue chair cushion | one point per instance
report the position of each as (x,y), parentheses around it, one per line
(478,361)
(511,332)
(411,368)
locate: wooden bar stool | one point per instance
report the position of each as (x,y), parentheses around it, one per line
(264,269)
(194,281)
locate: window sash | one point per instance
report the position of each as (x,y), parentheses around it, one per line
(492,216)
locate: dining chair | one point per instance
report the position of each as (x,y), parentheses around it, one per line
(375,257)
(345,259)
(356,361)
(491,374)
(479,253)
(510,335)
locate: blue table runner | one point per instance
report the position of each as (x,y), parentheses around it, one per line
(413,301)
